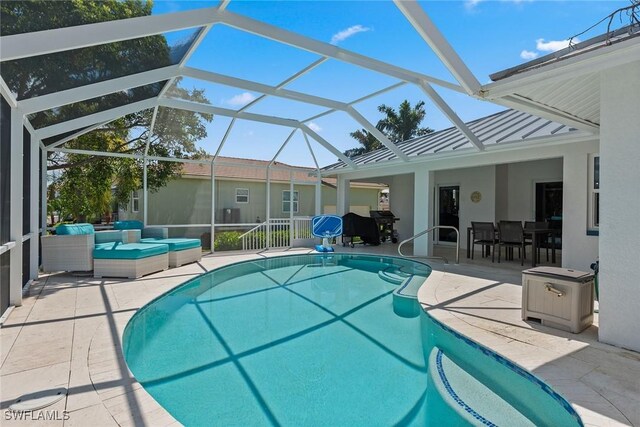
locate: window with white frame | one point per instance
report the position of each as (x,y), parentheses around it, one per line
(242,195)
(135,201)
(594,192)
(286,201)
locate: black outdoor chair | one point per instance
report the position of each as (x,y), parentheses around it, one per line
(539,244)
(512,236)
(484,234)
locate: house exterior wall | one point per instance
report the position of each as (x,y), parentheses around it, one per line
(579,249)
(401,203)
(521,179)
(187,200)
(619,206)
(480,179)
(361,200)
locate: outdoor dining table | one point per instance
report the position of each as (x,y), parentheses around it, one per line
(534,233)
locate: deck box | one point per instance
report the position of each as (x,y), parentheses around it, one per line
(560,298)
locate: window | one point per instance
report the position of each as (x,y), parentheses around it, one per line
(286,201)
(594,192)
(135,201)
(242,195)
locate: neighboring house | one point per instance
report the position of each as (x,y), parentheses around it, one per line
(240,195)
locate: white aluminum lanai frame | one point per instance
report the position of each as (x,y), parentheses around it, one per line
(27,45)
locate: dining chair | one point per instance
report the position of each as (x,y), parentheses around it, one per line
(511,235)
(546,242)
(484,234)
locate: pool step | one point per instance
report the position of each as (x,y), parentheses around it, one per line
(393,275)
(405,298)
(455,394)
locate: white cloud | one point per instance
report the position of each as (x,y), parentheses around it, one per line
(471,4)
(240,99)
(552,45)
(348,32)
(528,55)
(314,127)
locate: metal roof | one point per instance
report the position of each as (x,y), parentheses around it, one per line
(598,42)
(565,85)
(505,127)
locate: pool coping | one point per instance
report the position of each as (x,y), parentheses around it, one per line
(106,389)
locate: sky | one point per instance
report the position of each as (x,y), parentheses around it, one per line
(489,36)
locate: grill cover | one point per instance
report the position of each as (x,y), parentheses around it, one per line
(361,226)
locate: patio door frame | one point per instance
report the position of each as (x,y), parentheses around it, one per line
(436,213)
(534,193)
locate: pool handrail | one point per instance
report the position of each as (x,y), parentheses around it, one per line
(429,230)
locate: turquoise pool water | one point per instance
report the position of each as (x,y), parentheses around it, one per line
(306,340)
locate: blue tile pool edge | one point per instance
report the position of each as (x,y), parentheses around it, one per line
(512,366)
(454,395)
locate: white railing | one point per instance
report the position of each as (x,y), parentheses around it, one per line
(279,235)
(302,227)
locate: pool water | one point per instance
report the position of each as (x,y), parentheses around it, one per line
(300,340)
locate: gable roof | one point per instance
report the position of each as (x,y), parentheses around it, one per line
(505,127)
(249,169)
(231,168)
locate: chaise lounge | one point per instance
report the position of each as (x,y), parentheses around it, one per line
(181,250)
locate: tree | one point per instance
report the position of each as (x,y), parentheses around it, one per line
(87,186)
(366,139)
(397,126)
(405,123)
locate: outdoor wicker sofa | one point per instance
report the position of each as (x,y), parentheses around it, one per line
(117,254)
(181,251)
(70,249)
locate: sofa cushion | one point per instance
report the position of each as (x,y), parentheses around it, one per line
(74,229)
(109,236)
(175,244)
(118,250)
(128,225)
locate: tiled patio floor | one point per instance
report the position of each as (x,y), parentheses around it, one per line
(68,333)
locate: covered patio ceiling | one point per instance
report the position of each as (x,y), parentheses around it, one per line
(158,82)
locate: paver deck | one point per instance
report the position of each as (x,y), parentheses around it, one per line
(68,333)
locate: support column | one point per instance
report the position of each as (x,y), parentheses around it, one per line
(318,195)
(291,208)
(268,213)
(342,203)
(213,206)
(44,195)
(619,206)
(422,215)
(34,211)
(15,233)
(145,202)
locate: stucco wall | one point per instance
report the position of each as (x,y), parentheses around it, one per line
(401,203)
(482,179)
(521,178)
(620,206)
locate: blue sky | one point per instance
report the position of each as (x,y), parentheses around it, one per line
(488,35)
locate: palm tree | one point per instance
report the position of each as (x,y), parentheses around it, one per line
(367,141)
(397,126)
(404,124)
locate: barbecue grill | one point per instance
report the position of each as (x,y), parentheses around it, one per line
(385,221)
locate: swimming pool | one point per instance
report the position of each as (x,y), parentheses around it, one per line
(315,340)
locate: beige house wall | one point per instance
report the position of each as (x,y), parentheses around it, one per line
(187,200)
